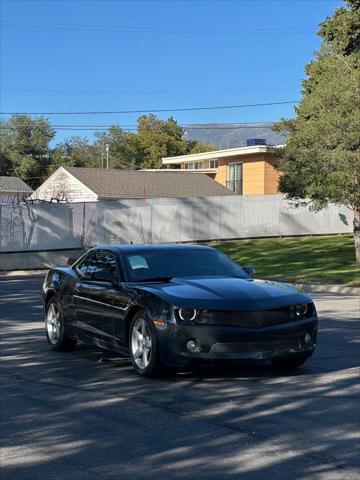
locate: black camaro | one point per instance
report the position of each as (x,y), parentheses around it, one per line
(170,305)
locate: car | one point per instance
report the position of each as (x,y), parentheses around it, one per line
(170,306)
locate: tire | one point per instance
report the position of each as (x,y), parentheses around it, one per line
(290,362)
(56,334)
(143,347)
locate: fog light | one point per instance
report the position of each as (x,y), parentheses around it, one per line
(193,346)
(308,338)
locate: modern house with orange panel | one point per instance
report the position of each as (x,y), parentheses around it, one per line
(249,170)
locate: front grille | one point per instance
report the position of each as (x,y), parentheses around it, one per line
(247,319)
(249,347)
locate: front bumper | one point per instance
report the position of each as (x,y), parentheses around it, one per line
(222,343)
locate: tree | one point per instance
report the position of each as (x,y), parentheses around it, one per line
(202,147)
(321,160)
(160,139)
(153,140)
(24,148)
(75,152)
(125,149)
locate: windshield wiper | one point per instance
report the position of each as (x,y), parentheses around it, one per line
(155,279)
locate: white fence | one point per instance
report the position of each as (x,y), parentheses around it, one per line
(63,226)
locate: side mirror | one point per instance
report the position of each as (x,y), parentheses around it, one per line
(103,276)
(70,261)
(250,270)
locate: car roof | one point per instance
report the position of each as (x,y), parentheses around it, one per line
(151,247)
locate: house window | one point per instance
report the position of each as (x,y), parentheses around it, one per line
(199,165)
(235,177)
(214,163)
(189,166)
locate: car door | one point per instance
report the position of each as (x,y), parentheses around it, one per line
(93,295)
(117,298)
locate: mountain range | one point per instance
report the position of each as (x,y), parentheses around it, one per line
(232,135)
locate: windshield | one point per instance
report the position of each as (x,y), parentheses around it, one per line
(180,263)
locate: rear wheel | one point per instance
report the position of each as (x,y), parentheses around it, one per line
(143,347)
(290,362)
(55,327)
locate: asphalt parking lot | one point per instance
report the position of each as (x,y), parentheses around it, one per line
(86,415)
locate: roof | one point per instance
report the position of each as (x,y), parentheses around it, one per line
(13,185)
(148,247)
(138,184)
(216,154)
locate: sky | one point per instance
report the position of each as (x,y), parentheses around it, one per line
(92,55)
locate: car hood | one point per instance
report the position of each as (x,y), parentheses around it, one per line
(226,293)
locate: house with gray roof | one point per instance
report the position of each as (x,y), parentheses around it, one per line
(13,189)
(73,184)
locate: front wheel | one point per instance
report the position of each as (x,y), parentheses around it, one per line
(143,347)
(290,362)
(55,328)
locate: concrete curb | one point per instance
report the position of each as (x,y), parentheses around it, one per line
(23,273)
(339,289)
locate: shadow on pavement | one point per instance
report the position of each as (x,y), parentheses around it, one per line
(85,414)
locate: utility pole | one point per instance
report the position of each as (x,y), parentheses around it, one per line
(102,155)
(107,146)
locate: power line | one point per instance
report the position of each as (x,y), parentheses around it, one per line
(228,126)
(100,129)
(212,31)
(134,128)
(190,125)
(123,162)
(155,110)
(146,92)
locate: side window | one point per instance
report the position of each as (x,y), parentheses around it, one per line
(107,261)
(87,266)
(98,261)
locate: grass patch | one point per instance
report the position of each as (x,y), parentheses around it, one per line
(316,260)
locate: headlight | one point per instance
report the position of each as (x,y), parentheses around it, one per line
(301,310)
(187,314)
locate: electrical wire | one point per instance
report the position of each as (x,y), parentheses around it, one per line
(155,110)
(125,125)
(146,92)
(134,128)
(212,31)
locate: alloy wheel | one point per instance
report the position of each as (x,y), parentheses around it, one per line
(53,325)
(141,343)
